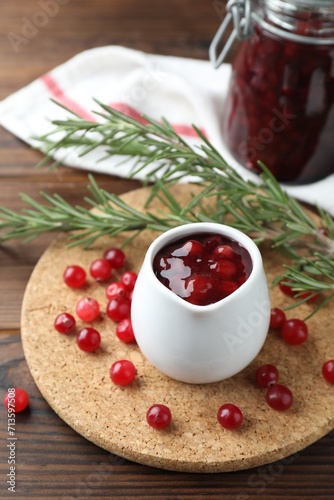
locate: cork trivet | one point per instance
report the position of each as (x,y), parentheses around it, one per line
(78,387)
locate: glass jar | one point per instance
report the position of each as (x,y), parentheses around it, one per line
(280,104)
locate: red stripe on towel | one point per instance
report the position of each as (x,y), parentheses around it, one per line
(185,130)
(129,111)
(56,91)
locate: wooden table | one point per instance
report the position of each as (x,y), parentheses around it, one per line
(52,460)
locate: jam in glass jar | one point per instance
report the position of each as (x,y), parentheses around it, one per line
(280,103)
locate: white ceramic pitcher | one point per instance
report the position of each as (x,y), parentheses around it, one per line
(200,344)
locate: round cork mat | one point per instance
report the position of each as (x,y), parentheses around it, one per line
(78,387)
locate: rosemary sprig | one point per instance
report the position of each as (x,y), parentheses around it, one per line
(111,217)
(262,210)
(257,209)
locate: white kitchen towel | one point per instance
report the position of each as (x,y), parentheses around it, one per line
(185,91)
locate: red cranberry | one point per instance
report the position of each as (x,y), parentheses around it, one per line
(311,297)
(100,270)
(266,375)
(117,290)
(212,241)
(16,399)
(64,323)
(74,276)
(277,318)
(122,372)
(88,339)
(199,289)
(279,397)
(129,279)
(286,289)
(294,331)
(88,309)
(226,269)
(158,416)
(328,371)
(124,331)
(230,416)
(118,309)
(115,257)
(225,252)
(191,248)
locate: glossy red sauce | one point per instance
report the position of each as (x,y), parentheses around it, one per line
(203,268)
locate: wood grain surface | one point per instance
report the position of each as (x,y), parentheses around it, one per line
(52,460)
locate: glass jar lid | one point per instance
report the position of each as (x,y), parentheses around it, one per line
(303,21)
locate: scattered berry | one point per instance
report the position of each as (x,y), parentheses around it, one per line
(124,331)
(286,289)
(74,276)
(277,318)
(279,397)
(230,416)
(64,323)
(266,375)
(88,309)
(294,331)
(129,279)
(158,416)
(117,290)
(16,399)
(328,371)
(311,297)
(122,372)
(88,339)
(115,257)
(100,270)
(118,309)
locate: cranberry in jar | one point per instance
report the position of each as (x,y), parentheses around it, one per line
(280,103)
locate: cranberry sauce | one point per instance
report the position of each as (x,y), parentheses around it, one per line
(204,268)
(280,107)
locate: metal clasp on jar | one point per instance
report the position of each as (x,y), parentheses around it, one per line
(238,12)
